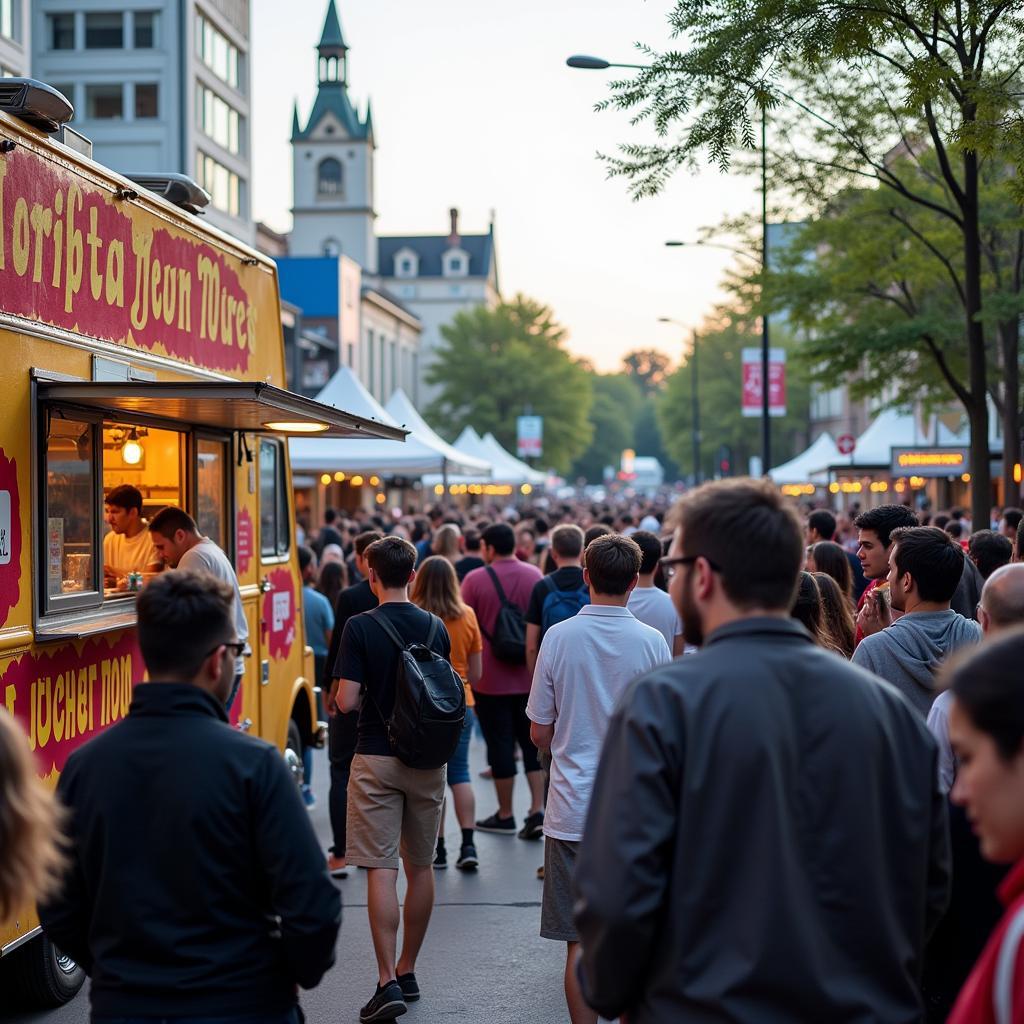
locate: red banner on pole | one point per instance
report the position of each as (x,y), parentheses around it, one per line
(752,394)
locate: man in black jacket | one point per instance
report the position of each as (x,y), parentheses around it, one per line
(766,840)
(197,887)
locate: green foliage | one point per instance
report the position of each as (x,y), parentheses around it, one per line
(498,363)
(648,367)
(720,387)
(613,415)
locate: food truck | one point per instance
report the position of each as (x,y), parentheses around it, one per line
(137,346)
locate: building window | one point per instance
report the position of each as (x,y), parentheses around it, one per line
(406,264)
(7,18)
(104,102)
(62,31)
(222,184)
(394,365)
(104,31)
(455,265)
(216,119)
(274,532)
(146,100)
(214,50)
(332,247)
(145,30)
(328,177)
(351,355)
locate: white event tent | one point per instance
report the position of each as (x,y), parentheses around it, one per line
(421,452)
(506,468)
(810,466)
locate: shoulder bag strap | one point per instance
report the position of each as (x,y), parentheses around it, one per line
(1006,969)
(382,620)
(432,632)
(497,585)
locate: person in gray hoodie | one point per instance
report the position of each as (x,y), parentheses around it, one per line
(925,566)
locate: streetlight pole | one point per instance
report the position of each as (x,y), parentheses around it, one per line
(694,400)
(766,419)
(600,64)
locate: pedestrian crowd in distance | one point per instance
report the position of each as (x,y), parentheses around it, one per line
(781,779)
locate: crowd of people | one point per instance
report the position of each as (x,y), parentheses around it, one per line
(777,765)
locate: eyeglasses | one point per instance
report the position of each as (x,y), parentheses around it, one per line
(669,565)
(237,647)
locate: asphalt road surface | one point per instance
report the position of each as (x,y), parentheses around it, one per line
(483,961)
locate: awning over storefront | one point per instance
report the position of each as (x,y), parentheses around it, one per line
(248,406)
(809,467)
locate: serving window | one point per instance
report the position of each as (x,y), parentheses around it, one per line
(275,530)
(90,555)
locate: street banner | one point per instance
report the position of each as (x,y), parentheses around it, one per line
(752,382)
(530,436)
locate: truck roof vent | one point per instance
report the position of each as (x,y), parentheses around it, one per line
(178,189)
(35,103)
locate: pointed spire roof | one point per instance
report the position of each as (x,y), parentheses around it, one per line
(331,37)
(296,126)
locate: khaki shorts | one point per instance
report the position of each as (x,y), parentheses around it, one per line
(392,809)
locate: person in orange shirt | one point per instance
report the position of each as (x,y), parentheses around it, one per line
(436,589)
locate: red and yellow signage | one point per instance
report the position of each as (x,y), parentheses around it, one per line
(74,256)
(61,697)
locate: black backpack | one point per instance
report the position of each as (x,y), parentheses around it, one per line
(430,701)
(508,641)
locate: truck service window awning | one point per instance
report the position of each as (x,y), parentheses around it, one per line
(248,406)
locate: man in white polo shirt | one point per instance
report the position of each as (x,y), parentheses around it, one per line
(583,666)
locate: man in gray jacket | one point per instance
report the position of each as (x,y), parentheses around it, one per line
(925,567)
(766,841)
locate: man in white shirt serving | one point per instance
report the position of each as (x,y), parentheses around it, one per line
(583,666)
(181,546)
(128,547)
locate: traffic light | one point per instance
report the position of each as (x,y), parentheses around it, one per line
(724,460)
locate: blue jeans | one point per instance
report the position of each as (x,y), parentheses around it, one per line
(292,1016)
(458,763)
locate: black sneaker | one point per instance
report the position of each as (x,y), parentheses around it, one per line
(387,1003)
(533,826)
(441,859)
(499,826)
(411,990)
(467,858)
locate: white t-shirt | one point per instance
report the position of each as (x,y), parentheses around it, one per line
(655,608)
(938,723)
(207,557)
(583,666)
(126,554)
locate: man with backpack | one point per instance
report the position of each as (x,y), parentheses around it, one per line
(392,666)
(499,594)
(560,595)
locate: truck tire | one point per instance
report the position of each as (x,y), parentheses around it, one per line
(43,976)
(293,752)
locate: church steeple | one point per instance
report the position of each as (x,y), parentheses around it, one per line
(332,50)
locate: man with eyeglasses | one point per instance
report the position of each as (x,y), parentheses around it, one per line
(196,888)
(766,839)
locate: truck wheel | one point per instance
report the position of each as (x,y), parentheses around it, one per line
(293,752)
(44,976)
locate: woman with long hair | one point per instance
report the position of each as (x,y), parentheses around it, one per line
(31,860)
(332,581)
(828,557)
(986,730)
(435,588)
(446,543)
(836,614)
(808,610)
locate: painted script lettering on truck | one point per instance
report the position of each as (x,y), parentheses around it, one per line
(74,256)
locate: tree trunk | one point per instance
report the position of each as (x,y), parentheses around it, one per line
(1009,343)
(981,471)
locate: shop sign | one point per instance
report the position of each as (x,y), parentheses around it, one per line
(530,436)
(929,462)
(74,256)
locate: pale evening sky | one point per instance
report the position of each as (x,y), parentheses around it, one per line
(474,107)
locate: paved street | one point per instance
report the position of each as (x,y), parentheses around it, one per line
(483,960)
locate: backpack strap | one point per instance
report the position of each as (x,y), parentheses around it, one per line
(382,620)
(1006,969)
(432,632)
(549,582)
(497,585)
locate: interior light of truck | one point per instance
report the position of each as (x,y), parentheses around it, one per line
(298,427)
(131,450)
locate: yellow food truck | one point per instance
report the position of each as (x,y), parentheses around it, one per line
(137,346)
